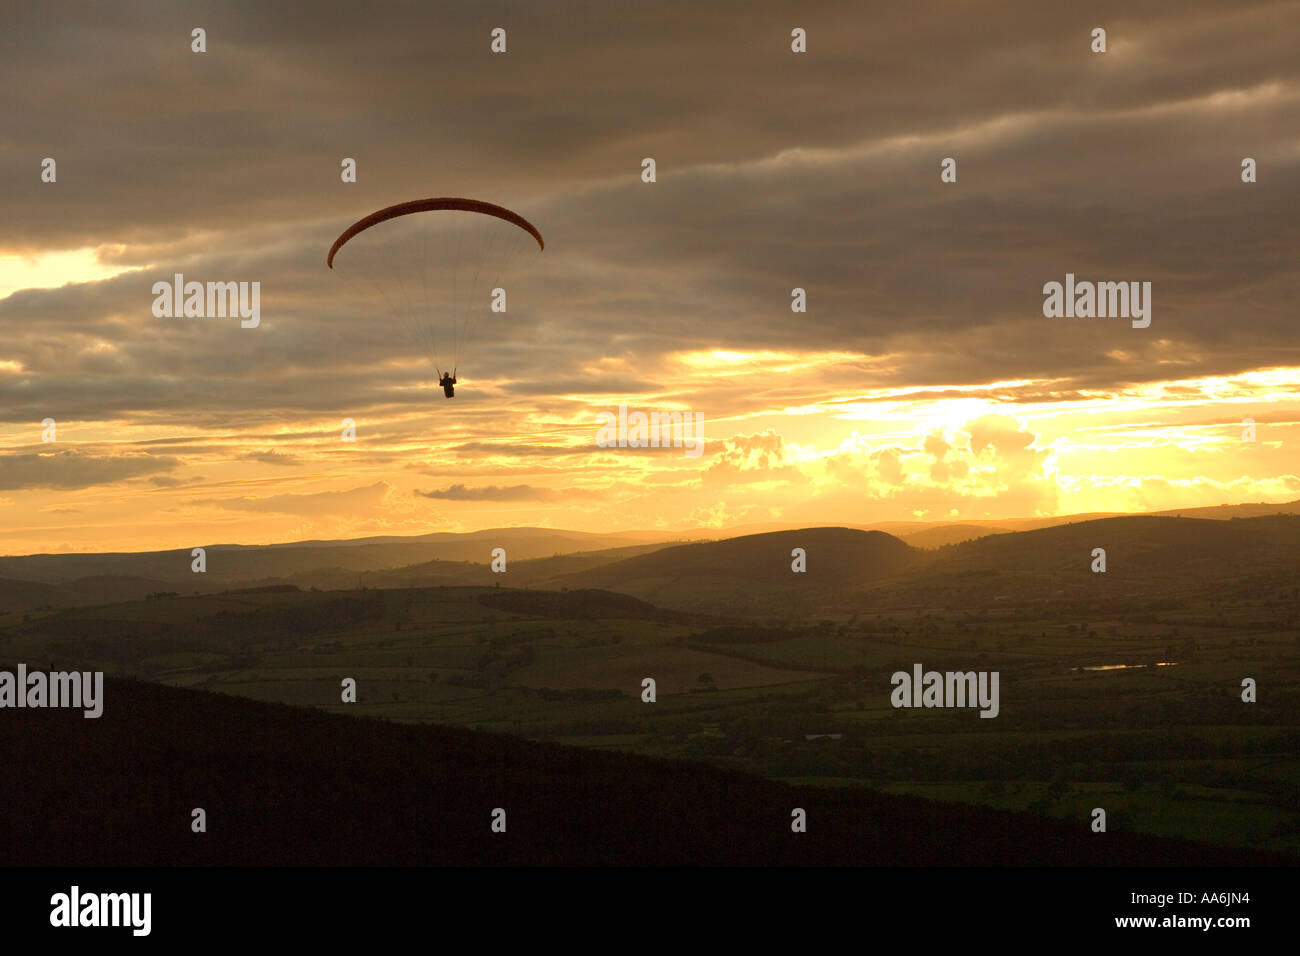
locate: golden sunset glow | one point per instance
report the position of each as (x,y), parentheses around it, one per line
(925,381)
(846,456)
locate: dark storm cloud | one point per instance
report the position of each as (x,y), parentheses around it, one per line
(158,137)
(775,170)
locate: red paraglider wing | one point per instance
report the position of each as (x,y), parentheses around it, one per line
(428,205)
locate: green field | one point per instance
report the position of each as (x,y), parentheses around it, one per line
(1168,750)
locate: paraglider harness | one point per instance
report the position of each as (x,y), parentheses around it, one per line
(447,381)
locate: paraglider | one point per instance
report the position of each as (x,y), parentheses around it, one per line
(450,251)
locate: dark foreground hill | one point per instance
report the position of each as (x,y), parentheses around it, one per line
(282,785)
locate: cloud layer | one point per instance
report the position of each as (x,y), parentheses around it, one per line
(923,379)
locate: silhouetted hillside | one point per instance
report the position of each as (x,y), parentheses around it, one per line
(229,563)
(1145,541)
(525,572)
(752,575)
(1148,558)
(711,575)
(282,785)
(946,534)
(835,556)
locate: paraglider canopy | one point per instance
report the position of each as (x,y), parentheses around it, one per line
(436,266)
(430,205)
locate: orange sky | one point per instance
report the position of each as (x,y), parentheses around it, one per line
(922,383)
(842,456)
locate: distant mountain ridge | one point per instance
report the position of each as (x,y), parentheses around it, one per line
(233,562)
(748,574)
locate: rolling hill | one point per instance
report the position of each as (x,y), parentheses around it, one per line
(1147,556)
(752,575)
(748,575)
(835,556)
(288,786)
(227,563)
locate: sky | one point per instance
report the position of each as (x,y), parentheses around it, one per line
(923,381)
